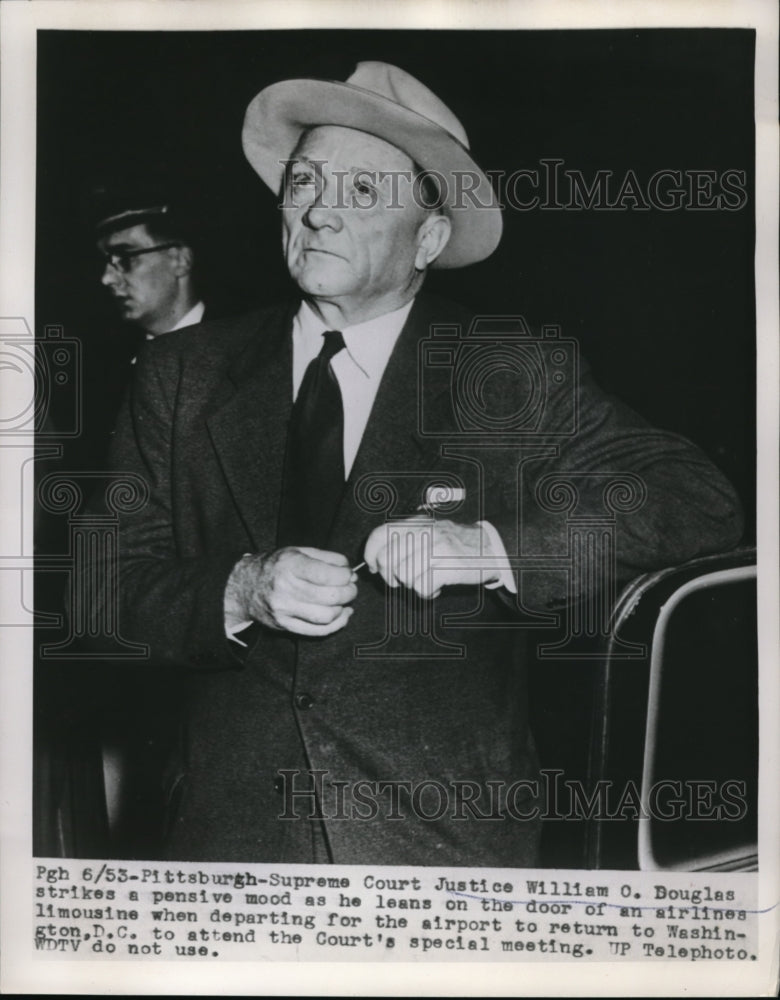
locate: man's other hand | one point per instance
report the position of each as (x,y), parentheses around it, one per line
(425,555)
(301,590)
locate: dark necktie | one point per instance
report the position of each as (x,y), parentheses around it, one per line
(314,463)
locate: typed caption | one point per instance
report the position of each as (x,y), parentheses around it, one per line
(96,910)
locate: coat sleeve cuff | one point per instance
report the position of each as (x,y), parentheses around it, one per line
(507,577)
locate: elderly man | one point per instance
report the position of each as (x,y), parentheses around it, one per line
(369,713)
(149,265)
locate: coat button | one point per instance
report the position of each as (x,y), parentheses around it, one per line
(278,786)
(303,700)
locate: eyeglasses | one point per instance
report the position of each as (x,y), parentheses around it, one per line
(122,261)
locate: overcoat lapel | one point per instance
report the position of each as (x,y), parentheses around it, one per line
(249,431)
(392,450)
(249,428)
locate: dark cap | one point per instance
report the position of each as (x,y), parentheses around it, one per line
(127,217)
(121,204)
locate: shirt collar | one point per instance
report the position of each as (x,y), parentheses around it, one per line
(369,344)
(195,315)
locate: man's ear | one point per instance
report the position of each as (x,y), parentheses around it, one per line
(184,261)
(432,237)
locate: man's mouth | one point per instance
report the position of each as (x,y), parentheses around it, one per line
(330,253)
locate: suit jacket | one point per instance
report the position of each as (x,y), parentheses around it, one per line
(429,695)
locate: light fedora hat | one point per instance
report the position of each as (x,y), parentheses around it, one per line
(386,102)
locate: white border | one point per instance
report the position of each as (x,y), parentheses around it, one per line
(18,22)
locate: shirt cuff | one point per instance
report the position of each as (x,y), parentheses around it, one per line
(233,625)
(507,577)
(232,630)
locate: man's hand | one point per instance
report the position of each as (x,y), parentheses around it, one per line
(301,590)
(426,554)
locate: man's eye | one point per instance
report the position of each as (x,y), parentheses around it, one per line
(363,187)
(302,180)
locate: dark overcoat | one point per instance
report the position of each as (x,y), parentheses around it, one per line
(427,697)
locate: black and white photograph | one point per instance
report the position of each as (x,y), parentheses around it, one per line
(390,550)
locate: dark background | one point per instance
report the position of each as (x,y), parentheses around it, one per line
(661,302)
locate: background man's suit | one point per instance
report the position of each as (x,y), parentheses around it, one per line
(206,427)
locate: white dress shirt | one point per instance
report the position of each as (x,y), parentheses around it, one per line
(359,369)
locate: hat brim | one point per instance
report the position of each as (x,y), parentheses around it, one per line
(277,117)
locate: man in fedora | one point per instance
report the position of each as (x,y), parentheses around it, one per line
(376,713)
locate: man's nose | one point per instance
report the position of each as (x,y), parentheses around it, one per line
(325,211)
(109,276)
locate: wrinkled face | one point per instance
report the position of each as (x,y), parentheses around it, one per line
(350,235)
(144,287)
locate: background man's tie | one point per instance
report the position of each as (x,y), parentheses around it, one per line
(314,464)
